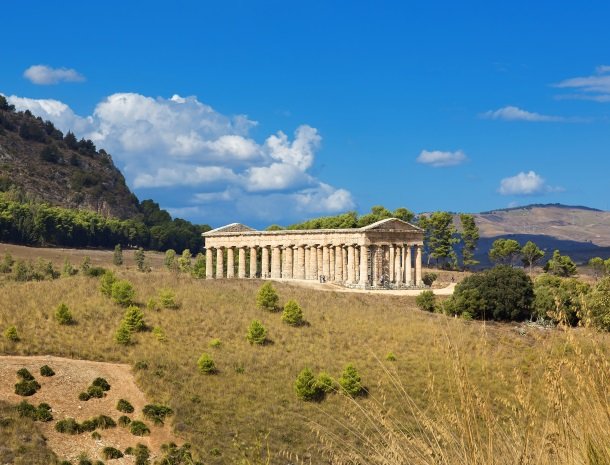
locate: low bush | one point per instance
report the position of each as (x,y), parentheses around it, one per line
(257,333)
(133,319)
(159,334)
(46,371)
(157,413)
(167,299)
(104,422)
(124,420)
(390,357)
(84,396)
(139,428)
(351,382)
(24,374)
(325,382)
(215,343)
(63,315)
(426,301)
(11,334)
(27,388)
(95,392)
(306,386)
(111,453)
(123,335)
(40,413)
(292,314)
(122,293)
(106,282)
(68,426)
(141,454)
(206,364)
(267,298)
(124,406)
(429,278)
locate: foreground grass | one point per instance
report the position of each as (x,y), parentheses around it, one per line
(252,394)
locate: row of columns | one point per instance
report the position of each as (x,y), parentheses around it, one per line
(351,264)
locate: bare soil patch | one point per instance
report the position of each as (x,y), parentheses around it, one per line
(61,392)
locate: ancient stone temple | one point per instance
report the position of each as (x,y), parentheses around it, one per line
(385,254)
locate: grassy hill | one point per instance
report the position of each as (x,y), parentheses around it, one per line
(477,393)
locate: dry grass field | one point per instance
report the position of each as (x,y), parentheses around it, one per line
(458,391)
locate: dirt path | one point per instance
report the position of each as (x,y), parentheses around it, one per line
(448,290)
(61,392)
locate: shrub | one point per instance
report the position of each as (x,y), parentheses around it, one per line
(560,265)
(141,454)
(122,292)
(306,386)
(68,270)
(68,426)
(267,298)
(133,319)
(199,267)
(111,453)
(390,357)
(426,300)
(325,382)
(95,392)
(95,435)
(215,343)
(123,335)
(140,259)
(184,262)
(63,315)
(88,426)
(84,396)
(138,428)
(24,374)
(117,256)
(26,410)
(104,422)
(170,260)
(257,333)
(429,278)
(350,381)
(206,364)
(27,388)
(43,413)
(124,420)
(292,314)
(96,271)
(151,304)
(159,333)
(124,406)
(10,333)
(106,282)
(157,413)
(167,298)
(101,383)
(502,293)
(46,371)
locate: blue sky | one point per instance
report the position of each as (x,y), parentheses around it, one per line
(276,111)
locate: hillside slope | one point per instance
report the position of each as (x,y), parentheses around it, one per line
(49,166)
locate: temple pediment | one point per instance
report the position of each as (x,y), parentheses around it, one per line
(230,228)
(391,224)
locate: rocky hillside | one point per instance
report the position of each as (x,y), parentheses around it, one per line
(47,165)
(581,232)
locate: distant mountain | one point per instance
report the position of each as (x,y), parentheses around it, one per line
(578,231)
(46,165)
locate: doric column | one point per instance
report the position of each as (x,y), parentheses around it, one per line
(351,265)
(220,269)
(418,280)
(300,265)
(276,263)
(253,260)
(230,262)
(325,269)
(374,268)
(344,259)
(407,266)
(397,266)
(364,264)
(241,265)
(319,258)
(288,271)
(338,264)
(313,262)
(209,263)
(307,263)
(392,274)
(331,263)
(357,253)
(265,262)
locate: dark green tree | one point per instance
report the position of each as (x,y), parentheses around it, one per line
(560,265)
(117,257)
(470,239)
(531,254)
(442,236)
(504,251)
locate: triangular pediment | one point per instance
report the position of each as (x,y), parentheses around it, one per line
(230,228)
(391,224)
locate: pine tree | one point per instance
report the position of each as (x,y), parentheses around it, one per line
(470,238)
(117,257)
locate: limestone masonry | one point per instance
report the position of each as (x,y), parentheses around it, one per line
(379,255)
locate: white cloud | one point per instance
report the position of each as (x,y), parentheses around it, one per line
(45,75)
(439,159)
(529,183)
(511,113)
(183,144)
(595,87)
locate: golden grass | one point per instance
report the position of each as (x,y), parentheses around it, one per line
(213,410)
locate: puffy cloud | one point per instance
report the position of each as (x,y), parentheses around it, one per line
(45,75)
(595,87)
(439,159)
(510,113)
(529,183)
(204,158)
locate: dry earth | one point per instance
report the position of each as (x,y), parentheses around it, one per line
(61,393)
